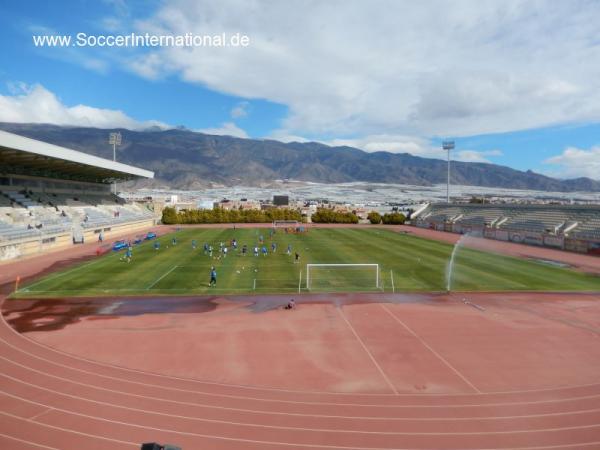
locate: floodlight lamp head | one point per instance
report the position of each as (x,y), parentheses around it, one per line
(448,145)
(114,138)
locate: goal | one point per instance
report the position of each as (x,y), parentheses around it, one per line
(342,277)
(285,223)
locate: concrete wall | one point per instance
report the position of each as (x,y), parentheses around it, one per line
(110,231)
(38,245)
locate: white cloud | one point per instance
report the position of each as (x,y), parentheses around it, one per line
(575,162)
(394,68)
(372,143)
(226,129)
(475,156)
(389,143)
(148,66)
(36,104)
(240,110)
(284,136)
(397,144)
(118,21)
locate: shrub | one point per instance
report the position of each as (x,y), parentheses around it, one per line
(393,219)
(324,215)
(374,217)
(219,215)
(169,216)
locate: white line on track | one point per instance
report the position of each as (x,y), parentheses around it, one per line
(406,433)
(262,412)
(428,347)
(385,377)
(277,427)
(95,436)
(161,277)
(38,415)
(565,446)
(266,389)
(23,441)
(294,402)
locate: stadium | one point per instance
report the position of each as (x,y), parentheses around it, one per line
(568,227)
(475,326)
(52,197)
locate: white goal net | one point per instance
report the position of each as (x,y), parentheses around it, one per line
(343,277)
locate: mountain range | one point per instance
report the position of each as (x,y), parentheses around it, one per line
(184,159)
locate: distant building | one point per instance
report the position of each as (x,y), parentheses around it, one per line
(237,204)
(205,204)
(281,200)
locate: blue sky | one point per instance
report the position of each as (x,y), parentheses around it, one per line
(514,83)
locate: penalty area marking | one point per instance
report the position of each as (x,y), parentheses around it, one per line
(161,277)
(27,288)
(440,357)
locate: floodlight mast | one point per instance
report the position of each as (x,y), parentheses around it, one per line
(448,145)
(114,139)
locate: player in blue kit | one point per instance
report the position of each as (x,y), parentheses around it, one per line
(213,277)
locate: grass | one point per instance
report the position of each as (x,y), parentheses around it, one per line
(406,262)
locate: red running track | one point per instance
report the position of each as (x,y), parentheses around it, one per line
(55,400)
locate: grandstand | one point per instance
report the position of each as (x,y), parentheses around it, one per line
(569,227)
(52,197)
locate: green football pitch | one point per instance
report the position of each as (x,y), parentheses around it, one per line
(404,263)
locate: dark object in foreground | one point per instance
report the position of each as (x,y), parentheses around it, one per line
(291,304)
(155,446)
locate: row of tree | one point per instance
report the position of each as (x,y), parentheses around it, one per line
(218,215)
(394,218)
(324,215)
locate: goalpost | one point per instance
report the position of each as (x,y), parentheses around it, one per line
(342,276)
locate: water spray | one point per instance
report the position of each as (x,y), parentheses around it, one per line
(450,267)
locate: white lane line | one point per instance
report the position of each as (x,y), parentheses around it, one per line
(269,389)
(375,363)
(38,415)
(261,412)
(266,426)
(23,441)
(296,402)
(160,278)
(80,433)
(428,347)
(292,444)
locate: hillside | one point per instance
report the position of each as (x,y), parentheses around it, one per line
(186,159)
